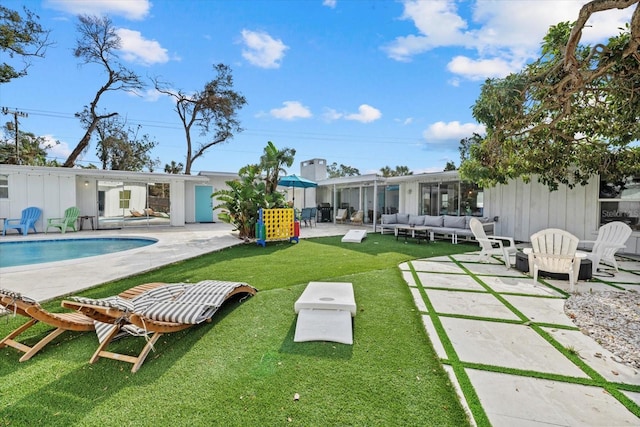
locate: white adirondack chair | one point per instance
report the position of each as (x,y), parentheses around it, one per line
(492,245)
(554,251)
(611,238)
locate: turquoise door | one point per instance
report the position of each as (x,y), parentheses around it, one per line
(204,203)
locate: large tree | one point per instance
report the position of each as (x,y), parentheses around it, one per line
(30,149)
(120,148)
(213,110)
(21,37)
(572,114)
(98,43)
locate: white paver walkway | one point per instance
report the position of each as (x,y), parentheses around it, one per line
(509,345)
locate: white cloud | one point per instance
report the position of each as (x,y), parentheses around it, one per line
(480,69)
(292,110)
(262,50)
(149,95)
(330,3)
(452,131)
(365,114)
(57,151)
(136,48)
(130,9)
(438,24)
(503,34)
(331,115)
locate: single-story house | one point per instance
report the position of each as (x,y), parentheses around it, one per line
(519,209)
(129,199)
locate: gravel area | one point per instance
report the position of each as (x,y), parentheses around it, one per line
(610,318)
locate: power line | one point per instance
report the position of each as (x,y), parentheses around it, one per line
(365,139)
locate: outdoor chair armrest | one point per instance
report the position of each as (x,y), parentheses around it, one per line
(501,238)
(492,241)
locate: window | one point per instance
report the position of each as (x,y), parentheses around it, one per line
(472,200)
(4,187)
(451,198)
(125,197)
(621,202)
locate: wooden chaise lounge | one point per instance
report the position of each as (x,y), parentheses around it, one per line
(163,310)
(16,303)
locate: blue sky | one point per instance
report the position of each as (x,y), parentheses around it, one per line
(365,83)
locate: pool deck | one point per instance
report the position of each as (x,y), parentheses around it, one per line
(52,280)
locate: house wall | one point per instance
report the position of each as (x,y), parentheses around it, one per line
(217,181)
(55,189)
(87,196)
(525,208)
(178,205)
(53,193)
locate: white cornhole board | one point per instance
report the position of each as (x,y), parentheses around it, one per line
(324,312)
(354,236)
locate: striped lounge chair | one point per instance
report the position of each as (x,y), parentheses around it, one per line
(17,304)
(162,310)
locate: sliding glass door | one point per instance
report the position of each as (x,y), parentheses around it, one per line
(132,204)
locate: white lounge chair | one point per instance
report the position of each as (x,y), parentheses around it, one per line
(611,238)
(554,251)
(492,245)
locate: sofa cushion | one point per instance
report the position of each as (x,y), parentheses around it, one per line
(402,218)
(451,221)
(433,221)
(416,219)
(389,219)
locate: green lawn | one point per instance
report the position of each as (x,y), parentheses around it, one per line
(244,368)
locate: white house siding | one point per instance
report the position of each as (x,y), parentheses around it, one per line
(178,205)
(55,189)
(52,193)
(86,196)
(524,209)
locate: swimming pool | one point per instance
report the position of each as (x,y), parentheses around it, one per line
(38,251)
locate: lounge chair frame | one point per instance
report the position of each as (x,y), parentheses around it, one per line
(119,321)
(74,321)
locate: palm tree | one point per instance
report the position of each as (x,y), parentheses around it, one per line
(174,168)
(272,162)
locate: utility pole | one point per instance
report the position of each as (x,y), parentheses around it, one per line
(15,114)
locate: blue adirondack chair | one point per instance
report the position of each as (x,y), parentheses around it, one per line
(27,221)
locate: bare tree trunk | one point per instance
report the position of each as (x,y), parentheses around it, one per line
(84,142)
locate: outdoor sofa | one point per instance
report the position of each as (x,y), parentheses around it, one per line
(442,225)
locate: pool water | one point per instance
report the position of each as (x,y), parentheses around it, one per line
(38,251)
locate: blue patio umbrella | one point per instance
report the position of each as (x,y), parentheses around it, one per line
(296,181)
